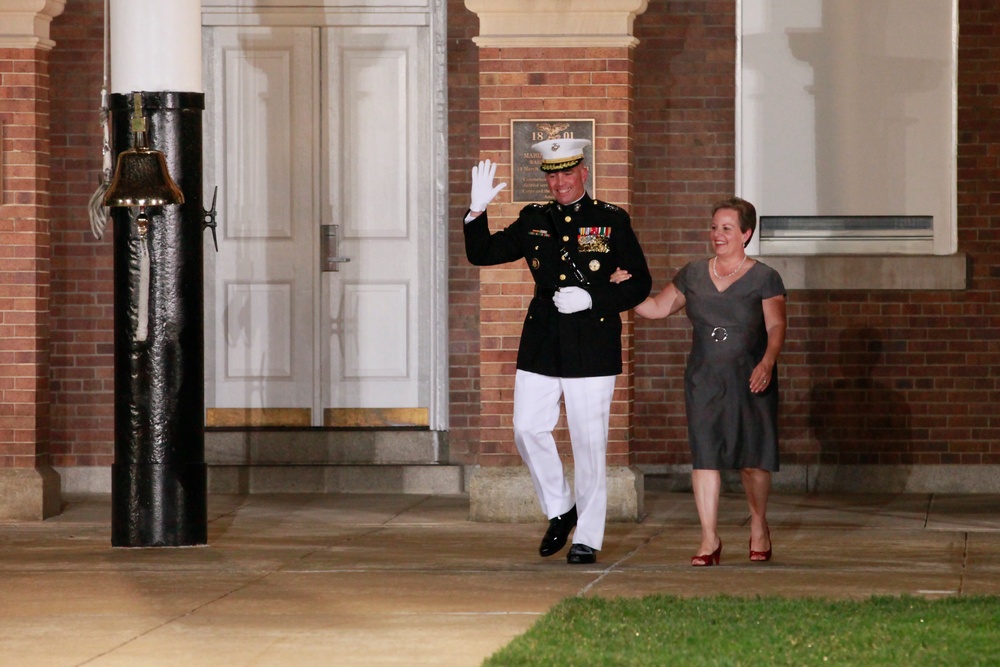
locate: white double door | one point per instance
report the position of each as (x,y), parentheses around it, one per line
(314,132)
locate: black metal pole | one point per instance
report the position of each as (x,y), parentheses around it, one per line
(159,479)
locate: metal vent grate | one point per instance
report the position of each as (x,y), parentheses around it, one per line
(846,227)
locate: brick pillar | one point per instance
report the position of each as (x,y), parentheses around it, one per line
(549,60)
(29,487)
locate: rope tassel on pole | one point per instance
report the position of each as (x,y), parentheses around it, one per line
(99,213)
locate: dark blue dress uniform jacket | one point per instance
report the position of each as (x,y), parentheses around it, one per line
(599,239)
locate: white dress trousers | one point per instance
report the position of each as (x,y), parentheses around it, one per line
(588,411)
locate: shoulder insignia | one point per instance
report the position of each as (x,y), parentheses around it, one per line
(616,211)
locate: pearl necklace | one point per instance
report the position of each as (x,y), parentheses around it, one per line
(739,266)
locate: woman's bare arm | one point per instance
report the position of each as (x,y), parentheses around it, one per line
(667,302)
(775,323)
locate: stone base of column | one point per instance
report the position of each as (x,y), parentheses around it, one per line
(29,494)
(506,495)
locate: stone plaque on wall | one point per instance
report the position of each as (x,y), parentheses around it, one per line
(528,180)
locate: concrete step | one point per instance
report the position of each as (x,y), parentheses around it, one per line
(325,447)
(431,479)
(330,461)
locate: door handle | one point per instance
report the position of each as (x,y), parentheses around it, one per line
(329,259)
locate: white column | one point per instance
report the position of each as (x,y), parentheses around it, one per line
(156,45)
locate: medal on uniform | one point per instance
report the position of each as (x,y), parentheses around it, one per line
(594,239)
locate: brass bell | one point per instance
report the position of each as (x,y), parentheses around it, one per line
(141,175)
(142,179)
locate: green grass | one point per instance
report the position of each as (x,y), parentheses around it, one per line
(729,631)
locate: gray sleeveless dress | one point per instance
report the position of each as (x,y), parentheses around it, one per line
(728,426)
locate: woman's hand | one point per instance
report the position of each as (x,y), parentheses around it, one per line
(774,322)
(620,275)
(760,377)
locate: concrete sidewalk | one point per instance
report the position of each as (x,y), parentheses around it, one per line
(407,580)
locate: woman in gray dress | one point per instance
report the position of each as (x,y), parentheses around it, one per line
(737,310)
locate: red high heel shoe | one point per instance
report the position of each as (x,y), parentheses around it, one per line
(761,556)
(708,559)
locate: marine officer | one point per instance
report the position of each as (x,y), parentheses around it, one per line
(570,346)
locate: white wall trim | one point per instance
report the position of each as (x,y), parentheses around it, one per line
(556,23)
(439,415)
(26,23)
(871,272)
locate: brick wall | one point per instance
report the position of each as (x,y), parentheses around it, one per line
(24,258)
(463,279)
(82,289)
(867,377)
(546,83)
(932,352)
(685,146)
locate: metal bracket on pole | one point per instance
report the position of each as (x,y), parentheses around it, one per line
(209,219)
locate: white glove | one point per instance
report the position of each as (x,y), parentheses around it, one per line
(572,300)
(483,191)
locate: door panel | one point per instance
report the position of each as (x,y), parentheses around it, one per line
(262,123)
(374,308)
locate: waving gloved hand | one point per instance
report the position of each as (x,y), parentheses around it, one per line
(483,190)
(572,300)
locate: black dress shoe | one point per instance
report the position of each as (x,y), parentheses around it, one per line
(555,536)
(581,554)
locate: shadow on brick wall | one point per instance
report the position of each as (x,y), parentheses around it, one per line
(857,418)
